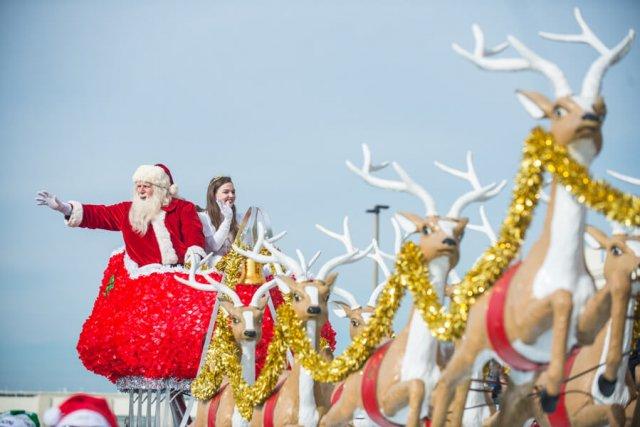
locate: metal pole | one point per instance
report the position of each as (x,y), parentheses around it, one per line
(376,235)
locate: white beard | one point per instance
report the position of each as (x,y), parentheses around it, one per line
(142,212)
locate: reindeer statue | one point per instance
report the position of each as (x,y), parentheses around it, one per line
(395,384)
(535,309)
(346,306)
(246,325)
(299,400)
(582,404)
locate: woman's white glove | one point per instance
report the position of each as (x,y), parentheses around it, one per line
(226,211)
(46,199)
(221,234)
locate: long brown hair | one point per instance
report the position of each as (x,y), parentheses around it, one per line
(213,210)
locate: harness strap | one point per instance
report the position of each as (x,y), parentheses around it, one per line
(269,408)
(560,417)
(496,332)
(337,393)
(369,387)
(214,405)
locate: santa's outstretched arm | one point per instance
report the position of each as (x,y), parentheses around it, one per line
(45,198)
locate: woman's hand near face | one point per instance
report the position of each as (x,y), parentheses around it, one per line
(226,210)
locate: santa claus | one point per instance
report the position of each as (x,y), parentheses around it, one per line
(157,227)
(144,325)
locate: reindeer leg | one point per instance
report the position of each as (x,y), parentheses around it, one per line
(595,314)
(599,415)
(458,368)
(620,294)
(201,414)
(409,393)
(342,412)
(458,404)
(562,305)
(515,407)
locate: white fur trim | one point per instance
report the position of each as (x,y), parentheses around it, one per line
(167,252)
(173,190)
(52,416)
(194,250)
(85,417)
(134,270)
(75,219)
(153,174)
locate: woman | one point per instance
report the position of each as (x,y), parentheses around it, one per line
(219,218)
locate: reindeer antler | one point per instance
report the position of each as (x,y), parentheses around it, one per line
(608,57)
(528,61)
(213,287)
(352,254)
(478,194)
(276,256)
(406,184)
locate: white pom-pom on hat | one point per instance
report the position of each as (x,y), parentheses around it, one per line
(52,416)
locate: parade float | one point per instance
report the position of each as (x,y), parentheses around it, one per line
(269,359)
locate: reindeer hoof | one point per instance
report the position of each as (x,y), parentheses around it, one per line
(548,402)
(605,386)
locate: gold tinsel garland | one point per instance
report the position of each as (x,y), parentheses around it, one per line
(209,379)
(247,396)
(363,345)
(225,361)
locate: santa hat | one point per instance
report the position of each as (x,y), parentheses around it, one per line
(81,410)
(157,174)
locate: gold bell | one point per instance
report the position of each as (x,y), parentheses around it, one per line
(252,273)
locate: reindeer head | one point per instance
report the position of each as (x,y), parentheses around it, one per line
(245,322)
(358,317)
(576,119)
(310,298)
(440,236)
(622,260)
(622,248)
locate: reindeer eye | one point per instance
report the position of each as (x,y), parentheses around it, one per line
(355,323)
(326,298)
(559,111)
(235,320)
(615,250)
(425,230)
(296,297)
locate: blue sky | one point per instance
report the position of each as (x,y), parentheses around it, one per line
(277,94)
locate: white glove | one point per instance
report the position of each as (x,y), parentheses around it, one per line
(46,199)
(226,211)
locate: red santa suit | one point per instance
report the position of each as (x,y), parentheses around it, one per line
(173,234)
(144,325)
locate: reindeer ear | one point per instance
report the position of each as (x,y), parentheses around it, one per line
(536,104)
(285,283)
(341,309)
(226,307)
(331,278)
(409,222)
(596,238)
